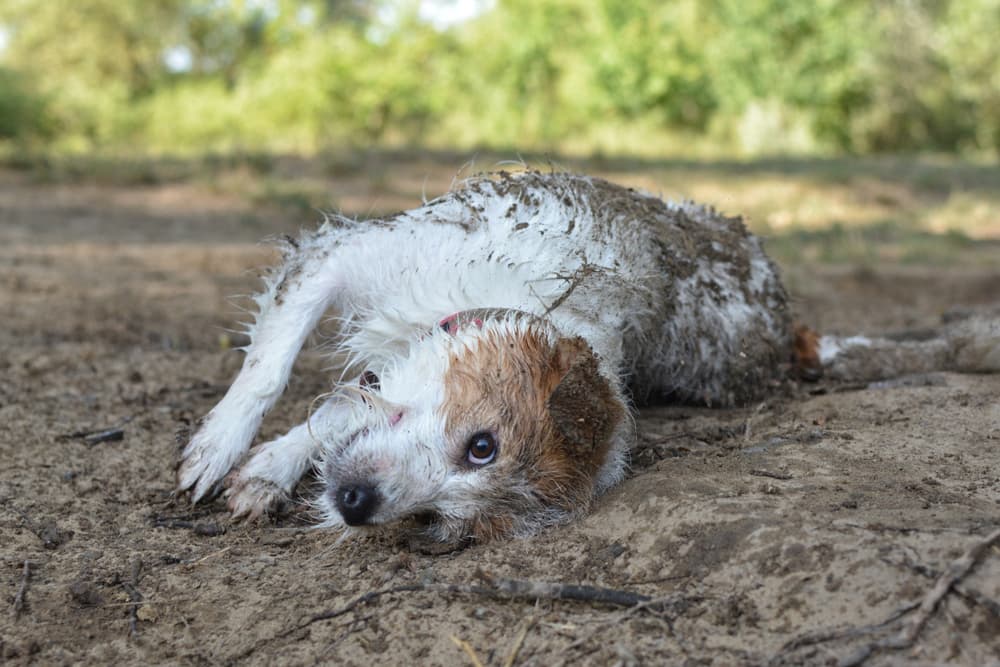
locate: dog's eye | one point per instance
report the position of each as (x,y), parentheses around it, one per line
(369,381)
(482,449)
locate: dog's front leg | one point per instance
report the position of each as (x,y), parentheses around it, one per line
(274,468)
(312,277)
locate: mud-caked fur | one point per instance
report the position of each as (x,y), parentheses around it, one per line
(528,311)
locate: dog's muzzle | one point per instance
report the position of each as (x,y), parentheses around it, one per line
(357,502)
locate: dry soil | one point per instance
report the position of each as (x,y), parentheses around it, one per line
(798,531)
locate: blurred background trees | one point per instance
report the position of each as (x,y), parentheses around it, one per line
(618,76)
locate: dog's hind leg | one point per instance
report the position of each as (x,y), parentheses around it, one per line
(967,345)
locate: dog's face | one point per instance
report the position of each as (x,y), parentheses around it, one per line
(493,428)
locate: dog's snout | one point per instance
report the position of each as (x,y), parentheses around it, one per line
(356,502)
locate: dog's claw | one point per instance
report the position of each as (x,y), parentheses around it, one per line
(252,498)
(196,475)
(209,456)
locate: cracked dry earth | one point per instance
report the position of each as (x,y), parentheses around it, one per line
(799,531)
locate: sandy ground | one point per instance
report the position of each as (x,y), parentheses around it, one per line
(799,531)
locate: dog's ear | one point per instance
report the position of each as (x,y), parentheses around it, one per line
(583,406)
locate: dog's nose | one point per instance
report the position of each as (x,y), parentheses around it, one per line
(357,503)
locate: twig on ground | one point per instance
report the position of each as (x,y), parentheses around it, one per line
(135,597)
(515,649)
(916,380)
(98,435)
(802,437)
(653,440)
(823,636)
(749,422)
(20,600)
(978,597)
(355,603)
(469,651)
(107,435)
(878,527)
(676,603)
(953,574)
(543,590)
(496,588)
(205,528)
(970,595)
(211,555)
(950,579)
(759,472)
(838,388)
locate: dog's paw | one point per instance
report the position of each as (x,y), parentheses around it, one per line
(210,454)
(198,473)
(252,497)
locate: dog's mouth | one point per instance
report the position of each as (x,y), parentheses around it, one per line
(424,535)
(425,518)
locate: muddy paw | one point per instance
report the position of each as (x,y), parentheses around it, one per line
(210,454)
(252,498)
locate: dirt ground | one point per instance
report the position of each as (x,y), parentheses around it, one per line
(798,531)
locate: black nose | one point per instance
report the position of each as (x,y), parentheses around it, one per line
(357,503)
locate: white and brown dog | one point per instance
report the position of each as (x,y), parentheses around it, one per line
(493,336)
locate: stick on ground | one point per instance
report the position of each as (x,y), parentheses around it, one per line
(952,575)
(760,472)
(135,598)
(204,528)
(496,587)
(924,609)
(516,648)
(469,651)
(98,435)
(20,600)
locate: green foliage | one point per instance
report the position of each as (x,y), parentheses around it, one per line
(23,112)
(971,56)
(751,76)
(91,58)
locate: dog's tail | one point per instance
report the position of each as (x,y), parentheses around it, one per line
(967,342)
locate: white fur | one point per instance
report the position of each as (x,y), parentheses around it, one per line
(570,251)
(831,346)
(672,299)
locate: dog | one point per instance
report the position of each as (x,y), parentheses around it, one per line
(494,342)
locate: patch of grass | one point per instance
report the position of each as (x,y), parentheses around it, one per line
(886,241)
(132,170)
(301,199)
(102,170)
(257,162)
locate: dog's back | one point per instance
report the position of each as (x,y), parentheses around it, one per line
(679,299)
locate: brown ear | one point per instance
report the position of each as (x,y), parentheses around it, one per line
(583,406)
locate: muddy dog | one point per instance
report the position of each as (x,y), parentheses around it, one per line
(493,342)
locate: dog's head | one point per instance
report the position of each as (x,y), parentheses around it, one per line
(489,426)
